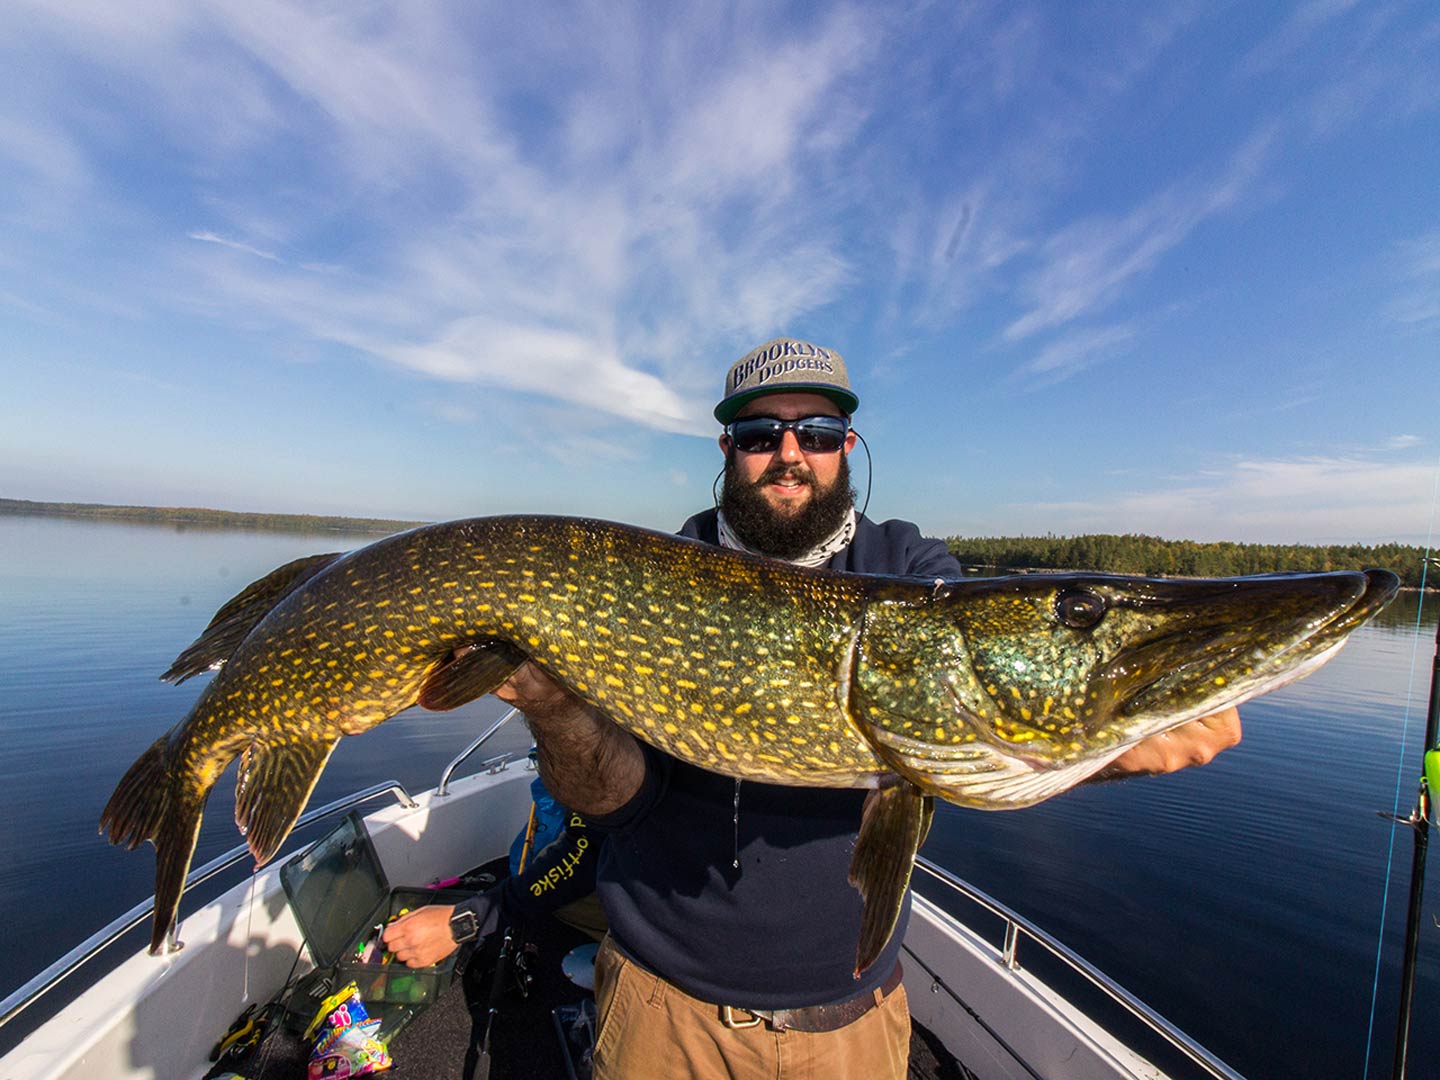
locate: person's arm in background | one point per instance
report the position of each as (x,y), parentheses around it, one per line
(564,870)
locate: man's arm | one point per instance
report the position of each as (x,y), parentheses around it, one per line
(1195,743)
(588,763)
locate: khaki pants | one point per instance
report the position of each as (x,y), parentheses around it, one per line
(651,1030)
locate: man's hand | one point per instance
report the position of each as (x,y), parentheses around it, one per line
(1195,743)
(588,763)
(423,937)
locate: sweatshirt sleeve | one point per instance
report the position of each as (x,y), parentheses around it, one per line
(562,871)
(932,558)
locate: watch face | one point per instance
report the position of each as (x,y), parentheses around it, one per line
(464,926)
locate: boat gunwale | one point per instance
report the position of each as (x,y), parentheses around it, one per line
(46,980)
(1018,926)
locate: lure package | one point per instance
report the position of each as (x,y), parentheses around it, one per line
(346,1043)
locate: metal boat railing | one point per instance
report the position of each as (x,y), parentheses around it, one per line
(37,987)
(492,765)
(1018,927)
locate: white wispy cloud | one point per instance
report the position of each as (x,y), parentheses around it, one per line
(1378,63)
(1085,265)
(1418,303)
(1299,28)
(1041,105)
(1354,498)
(660,204)
(552,363)
(1073,353)
(212,238)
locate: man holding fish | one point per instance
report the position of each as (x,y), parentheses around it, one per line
(797,723)
(733,925)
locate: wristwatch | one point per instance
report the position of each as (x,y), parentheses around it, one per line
(464,926)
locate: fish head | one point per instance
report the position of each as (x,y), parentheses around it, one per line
(1002,692)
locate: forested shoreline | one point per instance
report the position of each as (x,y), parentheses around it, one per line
(1118,554)
(1153,556)
(211,519)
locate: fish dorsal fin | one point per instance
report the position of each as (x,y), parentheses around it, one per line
(469,673)
(272,788)
(234,621)
(892,827)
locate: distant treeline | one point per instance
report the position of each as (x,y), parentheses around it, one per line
(212,519)
(1152,556)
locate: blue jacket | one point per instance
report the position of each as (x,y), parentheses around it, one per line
(780,930)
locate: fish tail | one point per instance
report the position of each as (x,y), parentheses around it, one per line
(148,804)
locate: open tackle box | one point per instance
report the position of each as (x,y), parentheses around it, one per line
(340,896)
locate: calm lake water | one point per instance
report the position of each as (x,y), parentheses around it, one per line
(1242,900)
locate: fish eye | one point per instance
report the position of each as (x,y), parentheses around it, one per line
(1079,609)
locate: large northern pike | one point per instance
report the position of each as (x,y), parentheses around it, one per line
(993,693)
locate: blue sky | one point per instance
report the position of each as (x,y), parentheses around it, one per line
(1165,268)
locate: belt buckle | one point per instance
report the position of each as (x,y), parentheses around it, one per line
(727,1017)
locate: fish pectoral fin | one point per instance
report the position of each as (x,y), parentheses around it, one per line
(892,827)
(272,788)
(469,673)
(234,621)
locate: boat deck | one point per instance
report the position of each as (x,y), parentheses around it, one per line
(525,1037)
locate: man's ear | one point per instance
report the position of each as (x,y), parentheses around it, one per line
(724,442)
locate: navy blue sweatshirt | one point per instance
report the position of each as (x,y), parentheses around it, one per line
(779,931)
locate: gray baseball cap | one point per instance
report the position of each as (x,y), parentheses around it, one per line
(786,365)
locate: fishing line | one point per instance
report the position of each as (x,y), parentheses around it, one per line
(249,928)
(1401,766)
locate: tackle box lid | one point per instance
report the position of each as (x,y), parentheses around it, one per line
(334,886)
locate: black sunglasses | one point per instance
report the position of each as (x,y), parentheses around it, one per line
(764,434)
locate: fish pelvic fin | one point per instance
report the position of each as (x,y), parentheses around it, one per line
(149,805)
(272,788)
(241,614)
(469,673)
(893,824)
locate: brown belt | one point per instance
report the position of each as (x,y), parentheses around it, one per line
(813,1018)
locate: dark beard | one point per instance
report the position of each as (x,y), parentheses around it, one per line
(762,529)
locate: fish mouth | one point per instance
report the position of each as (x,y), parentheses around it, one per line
(1219,663)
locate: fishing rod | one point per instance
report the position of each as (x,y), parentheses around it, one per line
(1419,821)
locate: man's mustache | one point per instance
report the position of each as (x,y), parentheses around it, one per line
(776,473)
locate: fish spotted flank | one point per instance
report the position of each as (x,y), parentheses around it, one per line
(991,693)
